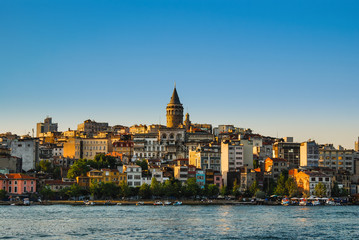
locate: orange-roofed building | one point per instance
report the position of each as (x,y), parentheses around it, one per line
(17,183)
(307,180)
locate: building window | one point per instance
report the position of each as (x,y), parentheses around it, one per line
(15,189)
(32,189)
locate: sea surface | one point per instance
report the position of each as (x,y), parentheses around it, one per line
(179,222)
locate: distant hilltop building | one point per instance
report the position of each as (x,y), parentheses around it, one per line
(46,126)
(174,111)
(90,128)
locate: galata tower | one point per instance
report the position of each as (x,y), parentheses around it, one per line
(174,111)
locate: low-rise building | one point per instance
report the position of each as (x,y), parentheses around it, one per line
(134,175)
(57,185)
(17,183)
(307,180)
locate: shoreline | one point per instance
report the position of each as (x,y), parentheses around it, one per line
(147,203)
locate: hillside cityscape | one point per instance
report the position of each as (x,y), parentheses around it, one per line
(179,160)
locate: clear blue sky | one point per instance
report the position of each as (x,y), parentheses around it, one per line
(279,67)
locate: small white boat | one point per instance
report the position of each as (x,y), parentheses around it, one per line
(140,203)
(119,203)
(177,203)
(157,203)
(167,203)
(89,203)
(316,203)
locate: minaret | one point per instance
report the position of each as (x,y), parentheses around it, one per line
(174,111)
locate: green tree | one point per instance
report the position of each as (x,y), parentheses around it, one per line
(125,190)
(236,189)
(191,188)
(320,190)
(63,193)
(143,164)
(109,190)
(281,189)
(45,166)
(46,192)
(292,188)
(253,188)
(79,168)
(145,191)
(260,194)
(57,173)
(212,190)
(2,194)
(156,188)
(168,189)
(335,190)
(269,186)
(95,190)
(343,192)
(75,191)
(104,161)
(223,191)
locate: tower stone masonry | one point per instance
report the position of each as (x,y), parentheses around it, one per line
(174,111)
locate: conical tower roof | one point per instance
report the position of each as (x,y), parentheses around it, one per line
(175,98)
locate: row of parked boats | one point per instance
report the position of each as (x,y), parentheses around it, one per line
(156,203)
(311,201)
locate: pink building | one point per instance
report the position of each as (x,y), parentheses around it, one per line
(17,183)
(218,179)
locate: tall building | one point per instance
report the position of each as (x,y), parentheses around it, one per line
(46,126)
(288,150)
(28,151)
(309,154)
(235,154)
(357,145)
(337,159)
(206,157)
(174,111)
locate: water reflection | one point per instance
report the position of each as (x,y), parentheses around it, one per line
(185,222)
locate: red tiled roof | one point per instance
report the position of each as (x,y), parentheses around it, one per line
(18,176)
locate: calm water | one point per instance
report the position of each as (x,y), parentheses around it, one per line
(179,222)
